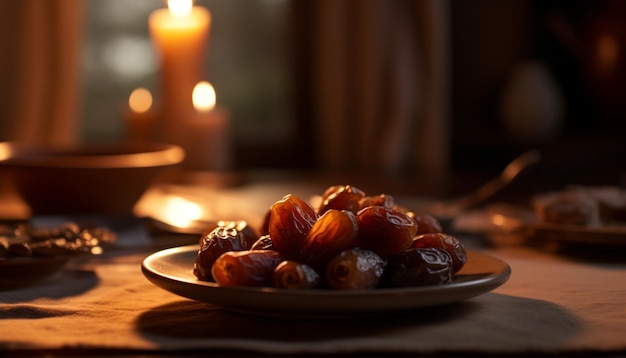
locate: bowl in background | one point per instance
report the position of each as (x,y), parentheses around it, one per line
(85,179)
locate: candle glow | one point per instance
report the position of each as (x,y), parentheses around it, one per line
(140,100)
(203,97)
(181,212)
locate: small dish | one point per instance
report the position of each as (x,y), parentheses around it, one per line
(171,269)
(525,222)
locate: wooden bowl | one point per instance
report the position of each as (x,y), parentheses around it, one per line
(85,179)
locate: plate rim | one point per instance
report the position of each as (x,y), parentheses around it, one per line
(609,234)
(367,298)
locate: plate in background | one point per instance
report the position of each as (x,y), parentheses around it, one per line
(524,221)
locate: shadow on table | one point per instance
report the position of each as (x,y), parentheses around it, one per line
(611,256)
(489,318)
(16,304)
(189,319)
(67,283)
(584,252)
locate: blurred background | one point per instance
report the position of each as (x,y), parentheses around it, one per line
(436,90)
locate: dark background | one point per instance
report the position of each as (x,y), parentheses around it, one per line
(490,37)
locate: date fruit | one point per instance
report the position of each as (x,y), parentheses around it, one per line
(220,240)
(426,224)
(419,267)
(385,231)
(332,233)
(356,268)
(263,243)
(450,244)
(384,200)
(290,221)
(250,235)
(341,197)
(246,268)
(295,275)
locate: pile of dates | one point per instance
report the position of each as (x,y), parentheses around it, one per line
(351,241)
(24,241)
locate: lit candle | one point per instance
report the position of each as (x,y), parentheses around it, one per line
(180,33)
(207,133)
(139,116)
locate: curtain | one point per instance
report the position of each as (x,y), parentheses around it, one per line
(40,43)
(381,89)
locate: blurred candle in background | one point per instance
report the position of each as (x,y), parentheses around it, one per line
(180,34)
(207,133)
(140,117)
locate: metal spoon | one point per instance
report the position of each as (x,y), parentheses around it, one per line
(446,211)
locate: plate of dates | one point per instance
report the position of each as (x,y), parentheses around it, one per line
(350,255)
(585,216)
(171,269)
(30,255)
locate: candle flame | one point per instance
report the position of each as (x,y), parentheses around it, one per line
(203,96)
(180,7)
(140,100)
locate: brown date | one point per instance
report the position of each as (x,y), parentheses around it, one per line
(426,223)
(20,249)
(220,240)
(246,268)
(263,243)
(385,231)
(332,233)
(384,200)
(419,267)
(290,220)
(341,197)
(450,244)
(355,268)
(249,234)
(295,275)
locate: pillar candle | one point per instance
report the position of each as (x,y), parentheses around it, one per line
(140,116)
(207,133)
(181,37)
(207,143)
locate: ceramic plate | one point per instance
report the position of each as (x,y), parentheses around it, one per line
(522,220)
(172,270)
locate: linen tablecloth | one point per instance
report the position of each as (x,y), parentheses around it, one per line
(551,304)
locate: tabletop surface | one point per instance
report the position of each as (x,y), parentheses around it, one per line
(555,302)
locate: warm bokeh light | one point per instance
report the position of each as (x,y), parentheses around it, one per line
(181,212)
(5,151)
(498,219)
(607,53)
(180,7)
(203,96)
(140,100)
